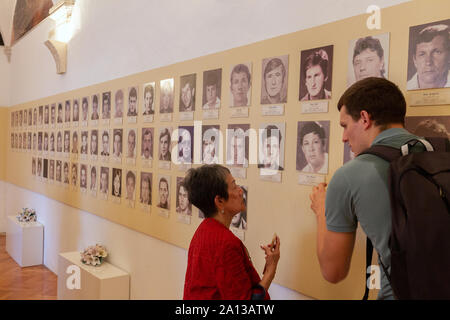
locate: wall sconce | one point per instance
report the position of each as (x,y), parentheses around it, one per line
(61,14)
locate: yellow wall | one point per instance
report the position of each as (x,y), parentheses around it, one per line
(273,207)
(4,112)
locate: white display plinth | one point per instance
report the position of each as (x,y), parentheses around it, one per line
(25,241)
(77,281)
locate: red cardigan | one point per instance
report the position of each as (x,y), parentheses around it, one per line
(219,266)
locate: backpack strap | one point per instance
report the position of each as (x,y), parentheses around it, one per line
(369,251)
(384,152)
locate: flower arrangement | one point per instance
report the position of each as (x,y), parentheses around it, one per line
(27,215)
(94,255)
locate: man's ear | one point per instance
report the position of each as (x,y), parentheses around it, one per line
(366,119)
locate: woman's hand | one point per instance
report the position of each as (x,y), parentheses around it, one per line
(272,252)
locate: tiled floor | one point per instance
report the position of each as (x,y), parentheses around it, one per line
(30,283)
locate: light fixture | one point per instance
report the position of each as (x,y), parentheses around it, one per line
(61,14)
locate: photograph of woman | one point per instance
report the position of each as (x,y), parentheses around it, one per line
(116,182)
(312,146)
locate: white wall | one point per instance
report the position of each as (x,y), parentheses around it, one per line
(134,36)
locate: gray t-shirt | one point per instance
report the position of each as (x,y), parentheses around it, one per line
(359,192)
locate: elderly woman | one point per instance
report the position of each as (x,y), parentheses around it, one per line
(219,266)
(312,138)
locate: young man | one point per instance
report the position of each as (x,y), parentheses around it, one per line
(372,111)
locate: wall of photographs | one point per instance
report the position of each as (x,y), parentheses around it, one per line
(120,149)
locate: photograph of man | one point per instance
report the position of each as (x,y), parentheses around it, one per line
(237,145)
(35,116)
(164,144)
(163,192)
(239,220)
(106,105)
(167,96)
(368,57)
(75,142)
(146,188)
(429,126)
(84,109)
(67,111)
(240,85)
(51,169)
(30,115)
(84,142)
(130,183)
(76,111)
(39,167)
(60,113)
(45,141)
(132,102)
(45,168)
(117,143)
(312,146)
(187,92)
(429,56)
(184,207)
(104,180)
(95,115)
(131,143)
(33,166)
(59,142)
(149,99)
(39,141)
(118,104)
(147,144)
(46,114)
(83,176)
(316,73)
(185,144)
(66,172)
(20,118)
(105,143)
(66,141)
(40,119)
(116,182)
(52,114)
(210,144)
(74,174)
(274,80)
(29,142)
(58,170)
(93,179)
(94,142)
(212,88)
(271,146)
(25,118)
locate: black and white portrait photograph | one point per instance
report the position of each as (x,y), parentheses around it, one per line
(33,166)
(132,102)
(74,142)
(74,174)
(238,145)
(105,143)
(59,140)
(240,85)
(118,104)
(94,142)
(164,144)
(163,192)
(66,141)
(95,112)
(184,207)
(146,188)
(131,143)
(187,92)
(83,176)
(45,168)
(429,126)
(51,169)
(106,105)
(84,109)
(149,99)
(210,144)
(368,57)
(185,144)
(117,143)
(147,143)
(58,171)
(75,110)
(93,177)
(316,67)
(312,146)
(104,180)
(40,116)
(84,142)
(212,88)
(46,115)
(274,80)
(67,112)
(116,189)
(429,56)
(130,188)
(166,96)
(271,146)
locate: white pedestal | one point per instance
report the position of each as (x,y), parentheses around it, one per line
(25,241)
(104,282)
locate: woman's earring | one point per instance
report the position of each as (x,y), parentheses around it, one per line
(221,211)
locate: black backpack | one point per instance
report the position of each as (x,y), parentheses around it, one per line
(419,185)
